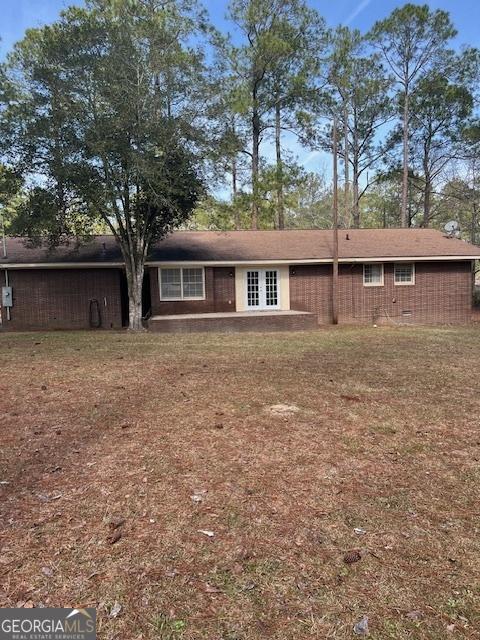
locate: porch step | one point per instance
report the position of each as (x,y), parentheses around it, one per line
(233,322)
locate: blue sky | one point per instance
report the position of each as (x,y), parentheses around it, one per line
(19,15)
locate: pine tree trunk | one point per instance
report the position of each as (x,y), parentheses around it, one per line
(473,226)
(255,166)
(427,191)
(427,200)
(279,176)
(356,188)
(346,212)
(236,212)
(404,218)
(255,151)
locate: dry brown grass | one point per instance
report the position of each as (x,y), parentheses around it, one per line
(102,425)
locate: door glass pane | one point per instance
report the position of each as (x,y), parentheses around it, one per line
(171,283)
(253,293)
(271,289)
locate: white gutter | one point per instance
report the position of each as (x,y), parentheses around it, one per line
(62,265)
(231,263)
(225,263)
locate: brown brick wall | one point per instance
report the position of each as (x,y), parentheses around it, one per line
(59,298)
(442,293)
(232,324)
(219,294)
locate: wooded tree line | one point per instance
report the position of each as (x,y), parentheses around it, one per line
(404,100)
(138,116)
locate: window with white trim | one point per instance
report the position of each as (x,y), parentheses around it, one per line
(373,274)
(404,273)
(182,283)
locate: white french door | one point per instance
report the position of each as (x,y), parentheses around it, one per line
(262,289)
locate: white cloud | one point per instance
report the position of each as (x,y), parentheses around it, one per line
(361,6)
(313,155)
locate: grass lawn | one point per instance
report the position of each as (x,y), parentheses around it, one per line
(97,428)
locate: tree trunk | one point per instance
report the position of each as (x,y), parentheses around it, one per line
(356,188)
(236,212)
(255,168)
(279,176)
(427,199)
(427,189)
(255,154)
(473,226)
(346,212)
(404,218)
(135,269)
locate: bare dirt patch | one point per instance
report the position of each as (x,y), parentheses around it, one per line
(142,475)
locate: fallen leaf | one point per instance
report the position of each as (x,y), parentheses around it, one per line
(116,522)
(114,537)
(209,588)
(351,398)
(415,615)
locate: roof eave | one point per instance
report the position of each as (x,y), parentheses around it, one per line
(233,263)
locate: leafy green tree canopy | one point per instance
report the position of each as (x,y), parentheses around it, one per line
(106,122)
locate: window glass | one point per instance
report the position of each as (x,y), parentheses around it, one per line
(171,283)
(193,283)
(404,273)
(373,274)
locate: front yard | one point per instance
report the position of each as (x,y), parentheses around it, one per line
(240,519)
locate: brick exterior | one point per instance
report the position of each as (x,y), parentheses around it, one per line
(60,298)
(442,294)
(275,322)
(219,294)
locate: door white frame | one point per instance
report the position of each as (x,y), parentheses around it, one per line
(262,289)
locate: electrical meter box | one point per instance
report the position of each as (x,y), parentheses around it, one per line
(7,297)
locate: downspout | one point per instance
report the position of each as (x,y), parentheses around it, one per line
(4,242)
(4,238)
(7,284)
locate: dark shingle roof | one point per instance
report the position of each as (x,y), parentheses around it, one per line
(244,246)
